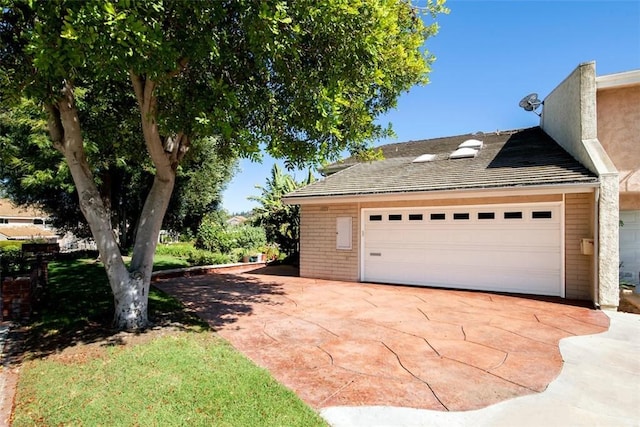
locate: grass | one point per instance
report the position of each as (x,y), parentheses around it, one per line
(186,379)
(77,371)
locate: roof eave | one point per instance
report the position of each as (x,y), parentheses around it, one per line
(445,194)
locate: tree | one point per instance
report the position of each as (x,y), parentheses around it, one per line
(302,79)
(280,221)
(33,173)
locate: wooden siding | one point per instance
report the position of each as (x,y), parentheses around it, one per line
(578,225)
(319,257)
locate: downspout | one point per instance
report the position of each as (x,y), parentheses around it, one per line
(596,248)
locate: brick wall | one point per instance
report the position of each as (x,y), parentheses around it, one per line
(578,225)
(319,257)
(16,298)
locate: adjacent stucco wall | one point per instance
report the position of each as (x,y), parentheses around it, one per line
(619,134)
(319,257)
(579,223)
(569,116)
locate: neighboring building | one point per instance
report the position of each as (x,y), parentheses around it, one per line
(618,117)
(531,211)
(236,220)
(597,119)
(24,223)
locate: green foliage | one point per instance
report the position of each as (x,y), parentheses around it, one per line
(211,234)
(281,222)
(201,178)
(179,250)
(215,235)
(248,237)
(185,254)
(204,257)
(32,171)
(307,79)
(11,261)
(11,244)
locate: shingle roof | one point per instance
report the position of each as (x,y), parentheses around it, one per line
(25,232)
(9,210)
(527,157)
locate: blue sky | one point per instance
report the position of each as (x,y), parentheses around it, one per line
(489,55)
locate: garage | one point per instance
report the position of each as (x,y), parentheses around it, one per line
(504,248)
(630,246)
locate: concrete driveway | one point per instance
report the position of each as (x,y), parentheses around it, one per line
(354,344)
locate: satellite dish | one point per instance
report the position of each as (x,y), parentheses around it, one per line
(530,102)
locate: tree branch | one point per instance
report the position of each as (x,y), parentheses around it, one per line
(54,125)
(138,86)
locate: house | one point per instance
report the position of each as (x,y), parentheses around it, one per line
(24,223)
(531,211)
(618,117)
(597,119)
(236,220)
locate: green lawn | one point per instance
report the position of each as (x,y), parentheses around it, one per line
(79,372)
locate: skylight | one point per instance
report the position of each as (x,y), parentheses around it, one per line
(424,158)
(463,153)
(471,143)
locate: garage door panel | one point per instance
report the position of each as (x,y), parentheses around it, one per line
(516,257)
(444,275)
(522,255)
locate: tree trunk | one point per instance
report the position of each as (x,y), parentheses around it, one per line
(130,287)
(64,128)
(131,304)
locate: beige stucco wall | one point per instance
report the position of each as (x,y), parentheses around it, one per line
(579,223)
(569,116)
(619,134)
(319,257)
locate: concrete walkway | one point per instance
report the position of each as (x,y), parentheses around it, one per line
(340,344)
(599,386)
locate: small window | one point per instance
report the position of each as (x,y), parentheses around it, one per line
(460,216)
(395,217)
(541,214)
(375,217)
(437,216)
(513,215)
(4,221)
(486,215)
(415,217)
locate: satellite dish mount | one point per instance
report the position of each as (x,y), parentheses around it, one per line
(531,103)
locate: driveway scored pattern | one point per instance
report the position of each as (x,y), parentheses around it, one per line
(354,344)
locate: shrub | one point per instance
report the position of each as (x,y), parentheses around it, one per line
(178,250)
(11,261)
(204,257)
(271,252)
(213,236)
(218,237)
(10,244)
(248,237)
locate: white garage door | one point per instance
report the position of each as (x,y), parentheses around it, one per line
(630,246)
(505,248)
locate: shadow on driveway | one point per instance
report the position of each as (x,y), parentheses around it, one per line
(357,344)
